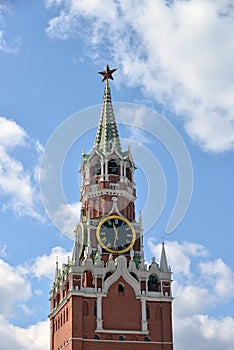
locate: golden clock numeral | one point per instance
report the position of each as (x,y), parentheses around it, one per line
(116,221)
(109,222)
(104,239)
(127,228)
(129,235)
(127,241)
(102,233)
(108,245)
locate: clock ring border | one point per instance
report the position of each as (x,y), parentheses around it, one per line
(108,217)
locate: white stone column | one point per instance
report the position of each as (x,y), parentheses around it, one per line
(99,312)
(144,322)
(121,169)
(102,170)
(87,175)
(146,286)
(88,234)
(106,170)
(124,170)
(95,283)
(132,175)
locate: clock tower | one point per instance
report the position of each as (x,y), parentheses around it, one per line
(106,296)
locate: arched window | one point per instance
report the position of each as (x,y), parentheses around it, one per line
(112,167)
(97,169)
(121,337)
(85,308)
(129,174)
(120,289)
(88,279)
(153,283)
(96,336)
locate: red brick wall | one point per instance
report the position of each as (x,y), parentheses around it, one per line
(159,321)
(83,317)
(122,345)
(121,312)
(61,327)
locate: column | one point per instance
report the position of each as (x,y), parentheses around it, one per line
(87,175)
(99,312)
(144,322)
(102,170)
(124,169)
(106,170)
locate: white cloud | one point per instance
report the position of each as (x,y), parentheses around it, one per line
(18,186)
(181,55)
(200,284)
(3,249)
(204,333)
(11,134)
(35,337)
(179,254)
(13,47)
(66,218)
(14,288)
(44,266)
(190,299)
(220,276)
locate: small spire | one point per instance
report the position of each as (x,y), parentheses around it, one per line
(56,269)
(163,261)
(75,253)
(141,233)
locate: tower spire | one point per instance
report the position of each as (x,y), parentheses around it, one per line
(163,260)
(107,137)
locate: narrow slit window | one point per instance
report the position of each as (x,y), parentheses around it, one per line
(120,289)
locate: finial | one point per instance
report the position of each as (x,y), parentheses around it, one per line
(107,74)
(56,268)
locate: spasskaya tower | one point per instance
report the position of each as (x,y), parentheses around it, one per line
(105,296)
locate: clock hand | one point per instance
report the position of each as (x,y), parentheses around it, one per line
(116,234)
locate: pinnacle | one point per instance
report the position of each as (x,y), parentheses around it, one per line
(163,260)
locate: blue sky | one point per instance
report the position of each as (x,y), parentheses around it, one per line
(175,57)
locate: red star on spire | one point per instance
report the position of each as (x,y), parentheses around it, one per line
(107,74)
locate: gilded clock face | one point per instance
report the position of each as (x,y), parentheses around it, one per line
(116,234)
